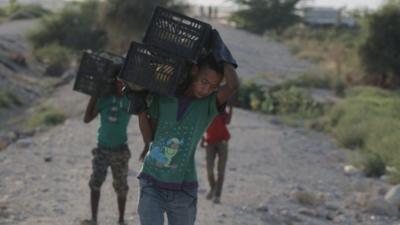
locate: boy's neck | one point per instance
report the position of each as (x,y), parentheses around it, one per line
(189,92)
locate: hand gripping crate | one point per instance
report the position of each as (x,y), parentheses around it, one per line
(153,70)
(97,72)
(177,34)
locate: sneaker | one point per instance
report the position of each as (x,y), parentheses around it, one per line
(88,222)
(217,200)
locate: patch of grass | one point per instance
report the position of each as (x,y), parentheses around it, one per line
(334,50)
(279,100)
(368,120)
(316,79)
(55,57)
(9,99)
(46,117)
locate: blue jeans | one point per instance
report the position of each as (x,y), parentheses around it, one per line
(180,206)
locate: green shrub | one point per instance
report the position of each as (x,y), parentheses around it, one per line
(46,117)
(368,120)
(9,99)
(29,11)
(3,13)
(373,165)
(261,15)
(250,94)
(281,99)
(135,14)
(294,100)
(316,79)
(380,50)
(56,58)
(74,27)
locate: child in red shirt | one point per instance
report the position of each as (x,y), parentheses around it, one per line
(215,141)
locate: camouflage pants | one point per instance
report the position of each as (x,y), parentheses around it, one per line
(118,161)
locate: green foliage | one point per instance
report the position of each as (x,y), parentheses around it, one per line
(29,11)
(373,165)
(250,91)
(261,15)
(12,7)
(333,50)
(380,52)
(348,37)
(278,100)
(75,27)
(295,100)
(46,117)
(9,99)
(316,79)
(368,120)
(55,57)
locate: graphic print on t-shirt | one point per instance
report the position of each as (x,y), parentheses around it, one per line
(163,155)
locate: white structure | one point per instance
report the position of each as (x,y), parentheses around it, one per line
(326,17)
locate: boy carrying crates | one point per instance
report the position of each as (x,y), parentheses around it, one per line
(168,179)
(97,77)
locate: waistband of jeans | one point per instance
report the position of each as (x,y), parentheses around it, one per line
(117,148)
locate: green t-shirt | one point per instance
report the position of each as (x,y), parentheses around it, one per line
(170,162)
(114,121)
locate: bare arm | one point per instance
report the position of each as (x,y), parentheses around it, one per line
(147,128)
(228,117)
(231,85)
(202,142)
(91,111)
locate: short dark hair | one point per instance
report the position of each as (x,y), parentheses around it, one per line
(208,61)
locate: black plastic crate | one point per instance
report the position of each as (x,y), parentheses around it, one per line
(97,73)
(153,70)
(177,34)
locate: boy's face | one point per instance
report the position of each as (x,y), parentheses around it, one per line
(205,82)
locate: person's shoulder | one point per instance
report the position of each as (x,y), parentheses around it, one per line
(103,100)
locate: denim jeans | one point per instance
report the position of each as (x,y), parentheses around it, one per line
(180,206)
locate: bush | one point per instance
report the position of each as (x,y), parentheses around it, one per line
(380,51)
(29,11)
(368,120)
(261,15)
(281,99)
(75,27)
(9,99)
(135,14)
(250,95)
(55,57)
(373,165)
(46,117)
(316,79)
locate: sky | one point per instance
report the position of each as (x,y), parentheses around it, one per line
(349,4)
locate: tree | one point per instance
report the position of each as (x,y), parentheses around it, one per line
(75,27)
(380,52)
(136,14)
(261,15)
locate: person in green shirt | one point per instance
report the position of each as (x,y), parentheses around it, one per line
(168,179)
(112,149)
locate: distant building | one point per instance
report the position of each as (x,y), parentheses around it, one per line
(316,16)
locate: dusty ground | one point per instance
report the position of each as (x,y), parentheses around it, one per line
(276,175)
